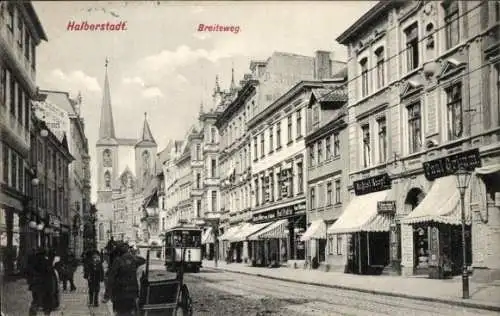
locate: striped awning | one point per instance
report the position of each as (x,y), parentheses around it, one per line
(317,230)
(275,230)
(361,215)
(247,230)
(207,237)
(441,204)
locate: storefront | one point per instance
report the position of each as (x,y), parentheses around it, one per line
(315,237)
(280,241)
(208,241)
(241,246)
(366,223)
(436,221)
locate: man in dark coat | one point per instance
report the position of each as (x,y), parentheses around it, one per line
(94,273)
(69,264)
(42,282)
(122,281)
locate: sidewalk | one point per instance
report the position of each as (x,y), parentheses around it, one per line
(16,299)
(483,296)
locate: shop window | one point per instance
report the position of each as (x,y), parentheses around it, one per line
(455,111)
(331,245)
(339,245)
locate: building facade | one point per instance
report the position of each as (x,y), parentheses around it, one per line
(20,34)
(62,116)
(423,101)
(49,220)
(327,170)
(116,155)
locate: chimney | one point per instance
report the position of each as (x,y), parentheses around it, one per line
(322,65)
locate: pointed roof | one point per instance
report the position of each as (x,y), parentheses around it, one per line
(106,126)
(147,136)
(232,87)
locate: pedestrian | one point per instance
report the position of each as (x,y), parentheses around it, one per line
(94,273)
(123,285)
(43,283)
(70,264)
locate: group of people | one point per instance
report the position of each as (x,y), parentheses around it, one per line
(45,271)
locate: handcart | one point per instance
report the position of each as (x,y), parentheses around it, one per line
(164,293)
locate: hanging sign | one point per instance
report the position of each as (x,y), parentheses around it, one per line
(386,207)
(446,166)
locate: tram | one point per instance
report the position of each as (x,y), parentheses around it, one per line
(180,239)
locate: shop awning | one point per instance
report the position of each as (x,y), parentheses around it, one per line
(247,230)
(275,230)
(230,232)
(207,237)
(485,170)
(361,215)
(317,230)
(441,204)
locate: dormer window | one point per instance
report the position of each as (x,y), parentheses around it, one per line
(364,77)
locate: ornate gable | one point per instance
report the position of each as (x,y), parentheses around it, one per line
(409,88)
(450,67)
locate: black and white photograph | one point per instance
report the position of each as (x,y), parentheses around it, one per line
(226,158)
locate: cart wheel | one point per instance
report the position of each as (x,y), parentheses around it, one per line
(186,304)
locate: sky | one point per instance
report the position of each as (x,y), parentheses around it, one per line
(161,64)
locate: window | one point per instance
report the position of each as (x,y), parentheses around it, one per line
(328,148)
(380,67)
(33,55)
(330,245)
(315,116)
(278,135)
(214,168)
(27,45)
(10,21)
(454,108)
(255,153)
(312,197)
(451,20)
(366,146)
(263,189)
(412,55)
(339,245)
(213,136)
(382,139)
(329,193)
(311,156)
(107,179)
(364,77)
(299,124)
(256,191)
(198,152)
(198,208)
(300,178)
(27,107)
(12,95)
(214,201)
(320,151)
(198,180)
(13,169)
(289,124)
(271,142)
(3,85)
(414,127)
(336,144)
(337,192)
(20,30)
(20,104)
(270,178)
(106,158)
(5,166)
(262,145)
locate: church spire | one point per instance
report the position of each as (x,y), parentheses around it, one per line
(106,126)
(147,136)
(217,86)
(232,88)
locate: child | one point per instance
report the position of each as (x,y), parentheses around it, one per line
(94,273)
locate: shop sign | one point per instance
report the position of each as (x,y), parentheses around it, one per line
(386,207)
(374,184)
(286,211)
(446,166)
(299,207)
(264,216)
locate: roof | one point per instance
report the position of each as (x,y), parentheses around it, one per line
(334,95)
(106,125)
(147,136)
(36,21)
(59,98)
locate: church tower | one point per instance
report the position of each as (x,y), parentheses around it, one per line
(145,156)
(106,148)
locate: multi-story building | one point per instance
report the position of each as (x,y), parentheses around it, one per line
(114,157)
(234,162)
(423,101)
(20,33)
(49,221)
(62,116)
(328,164)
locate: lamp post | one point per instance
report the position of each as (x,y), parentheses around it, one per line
(463,178)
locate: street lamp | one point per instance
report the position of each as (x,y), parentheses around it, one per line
(463,178)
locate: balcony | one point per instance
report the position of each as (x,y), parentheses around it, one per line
(19,136)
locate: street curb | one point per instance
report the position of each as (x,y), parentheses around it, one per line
(384,293)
